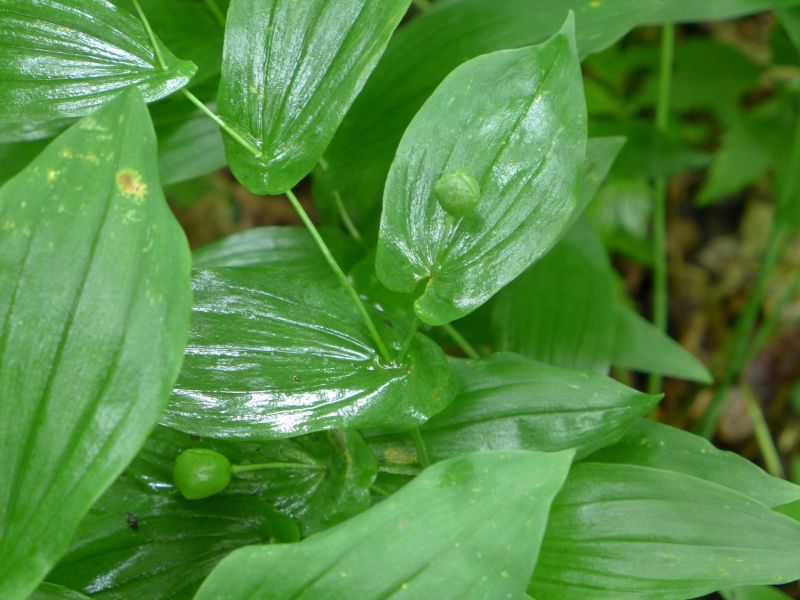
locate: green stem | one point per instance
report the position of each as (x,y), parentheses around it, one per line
(373,331)
(461,341)
(740,350)
(276,465)
(764,331)
(660,269)
(247,145)
(151,35)
(345,216)
(380,490)
(763,435)
(409,338)
(215,10)
(422,448)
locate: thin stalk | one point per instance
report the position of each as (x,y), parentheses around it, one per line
(323,247)
(660,269)
(247,145)
(764,331)
(151,35)
(276,465)
(422,448)
(461,341)
(380,490)
(740,349)
(409,338)
(763,435)
(215,10)
(345,216)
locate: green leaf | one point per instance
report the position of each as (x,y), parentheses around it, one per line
(466,528)
(315,498)
(714,10)
(274,355)
(51,591)
(64,58)
(509,402)
(134,544)
(84,372)
(525,110)
(561,310)
(651,444)
(419,57)
(189,29)
(600,156)
(754,593)
(290,71)
(289,248)
(640,346)
(631,532)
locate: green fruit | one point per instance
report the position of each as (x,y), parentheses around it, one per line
(200,473)
(458,193)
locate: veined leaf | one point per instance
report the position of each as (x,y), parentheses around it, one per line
(63,58)
(290,71)
(289,248)
(640,346)
(627,531)
(466,528)
(137,544)
(509,402)
(525,109)
(419,57)
(272,355)
(337,488)
(651,444)
(84,373)
(51,591)
(561,310)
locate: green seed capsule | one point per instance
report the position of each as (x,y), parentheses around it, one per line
(458,193)
(200,473)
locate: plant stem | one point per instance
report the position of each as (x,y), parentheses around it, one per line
(247,145)
(422,448)
(660,268)
(740,350)
(409,338)
(151,35)
(215,10)
(345,216)
(373,331)
(461,341)
(380,490)
(276,465)
(764,331)
(764,439)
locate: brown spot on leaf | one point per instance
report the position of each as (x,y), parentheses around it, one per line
(399,456)
(130,183)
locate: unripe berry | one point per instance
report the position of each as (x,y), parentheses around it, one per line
(458,193)
(200,473)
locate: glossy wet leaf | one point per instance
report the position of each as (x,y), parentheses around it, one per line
(316,498)
(509,402)
(85,372)
(274,355)
(601,152)
(419,57)
(627,531)
(525,109)
(64,58)
(640,346)
(561,310)
(290,71)
(466,528)
(651,444)
(291,249)
(135,543)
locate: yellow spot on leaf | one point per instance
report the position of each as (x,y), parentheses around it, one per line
(594,3)
(130,183)
(66,153)
(52,175)
(400,456)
